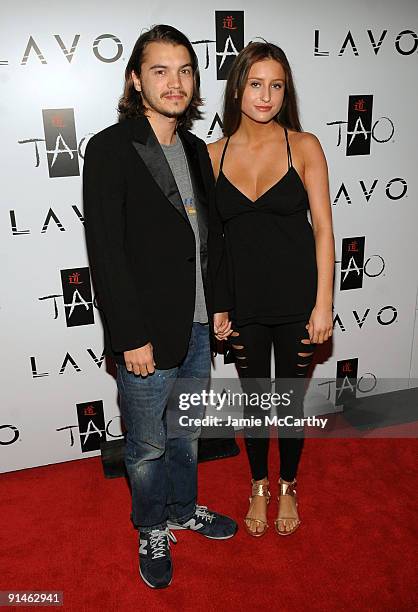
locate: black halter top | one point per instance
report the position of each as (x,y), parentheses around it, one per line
(270,249)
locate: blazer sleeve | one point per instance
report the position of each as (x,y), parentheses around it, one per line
(116,292)
(222,298)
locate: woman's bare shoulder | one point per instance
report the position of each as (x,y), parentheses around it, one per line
(306,144)
(303,139)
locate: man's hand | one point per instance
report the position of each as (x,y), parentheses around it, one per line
(140,361)
(222,325)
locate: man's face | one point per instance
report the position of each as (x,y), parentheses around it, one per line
(166,79)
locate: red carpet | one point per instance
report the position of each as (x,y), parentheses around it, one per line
(67,528)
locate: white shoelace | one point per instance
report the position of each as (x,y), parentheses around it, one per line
(201,512)
(158,542)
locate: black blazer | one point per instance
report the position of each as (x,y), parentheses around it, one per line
(140,242)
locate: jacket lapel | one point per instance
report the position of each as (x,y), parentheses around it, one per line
(148,148)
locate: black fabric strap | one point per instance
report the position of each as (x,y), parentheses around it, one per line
(289,154)
(223,153)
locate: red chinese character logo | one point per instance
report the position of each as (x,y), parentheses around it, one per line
(359,106)
(74,279)
(353,246)
(228,23)
(346,367)
(89,411)
(57,121)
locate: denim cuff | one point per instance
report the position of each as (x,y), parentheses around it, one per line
(183,519)
(161,526)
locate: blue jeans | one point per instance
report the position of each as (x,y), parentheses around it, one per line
(161,460)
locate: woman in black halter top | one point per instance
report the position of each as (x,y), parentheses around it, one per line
(271,249)
(273,279)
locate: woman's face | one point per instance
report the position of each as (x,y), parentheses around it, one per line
(264,91)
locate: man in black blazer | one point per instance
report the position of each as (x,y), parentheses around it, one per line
(148,185)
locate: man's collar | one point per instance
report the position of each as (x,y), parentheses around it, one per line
(142,128)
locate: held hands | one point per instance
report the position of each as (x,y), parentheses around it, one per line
(140,361)
(320,325)
(222,325)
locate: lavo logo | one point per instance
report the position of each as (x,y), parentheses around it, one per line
(50,216)
(77,295)
(91,426)
(67,362)
(62,149)
(353,266)
(33,49)
(406,43)
(9,434)
(385,316)
(347,382)
(360,130)
(395,189)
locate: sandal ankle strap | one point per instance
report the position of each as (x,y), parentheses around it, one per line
(287,488)
(262,490)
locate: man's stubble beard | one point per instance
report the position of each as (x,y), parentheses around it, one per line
(157,108)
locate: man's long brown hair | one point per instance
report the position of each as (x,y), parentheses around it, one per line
(131,104)
(288,115)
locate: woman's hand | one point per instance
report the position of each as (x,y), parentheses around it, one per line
(222,325)
(320,325)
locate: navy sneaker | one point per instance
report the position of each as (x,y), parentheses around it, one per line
(208,523)
(155,565)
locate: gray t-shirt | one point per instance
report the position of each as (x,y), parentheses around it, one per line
(177,161)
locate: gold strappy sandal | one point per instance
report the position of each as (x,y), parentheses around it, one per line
(261,490)
(287,488)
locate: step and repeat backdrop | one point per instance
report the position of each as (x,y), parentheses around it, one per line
(61,74)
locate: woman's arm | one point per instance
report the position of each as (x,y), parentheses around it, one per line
(222,301)
(316,184)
